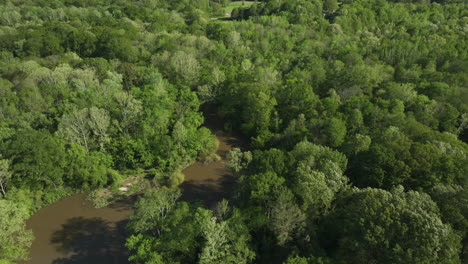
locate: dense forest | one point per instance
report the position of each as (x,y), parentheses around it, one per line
(355,114)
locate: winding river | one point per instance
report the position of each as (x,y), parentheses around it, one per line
(72,231)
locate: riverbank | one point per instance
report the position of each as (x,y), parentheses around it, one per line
(73,230)
(211,182)
(131,186)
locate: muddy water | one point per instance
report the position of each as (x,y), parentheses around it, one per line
(209,183)
(71,231)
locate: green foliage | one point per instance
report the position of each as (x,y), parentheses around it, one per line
(5,175)
(88,170)
(14,238)
(152,210)
(222,244)
(372,225)
(269,160)
(263,187)
(335,132)
(86,127)
(169,232)
(176,243)
(453,204)
(38,159)
(208,145)
(297,260)
(287,219)
(330,6)
(238,160)
(175,179)
(325,94)
(318,176)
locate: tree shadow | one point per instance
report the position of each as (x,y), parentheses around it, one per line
(209,191)
(91,241)
(125,203)
(216,124)
(205,192)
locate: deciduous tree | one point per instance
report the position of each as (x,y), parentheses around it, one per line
(15,239)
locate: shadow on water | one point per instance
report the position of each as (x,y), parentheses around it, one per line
(210,183)
(200,191)
(125,204)
(209,191)
(90,240)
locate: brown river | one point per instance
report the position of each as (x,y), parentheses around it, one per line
(71,231)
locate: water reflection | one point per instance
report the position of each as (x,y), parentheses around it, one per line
(90,240)
(208,191)
(72,231)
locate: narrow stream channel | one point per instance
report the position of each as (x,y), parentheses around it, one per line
(71,231)
(211,182)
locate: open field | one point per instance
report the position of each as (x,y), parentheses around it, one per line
(228,9)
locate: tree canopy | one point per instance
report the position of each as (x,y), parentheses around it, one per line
(354,116)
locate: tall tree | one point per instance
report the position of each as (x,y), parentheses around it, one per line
(86,127)
(287,219)
(223,243)
(152,210)
(5,175)
(377,226)
(37,159)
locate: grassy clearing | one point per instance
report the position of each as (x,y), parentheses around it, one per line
(228,9)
